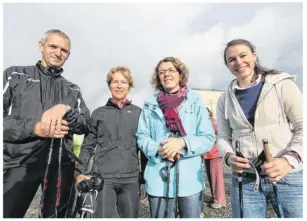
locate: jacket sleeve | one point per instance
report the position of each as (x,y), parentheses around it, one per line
(293,101)
(79,116)
(204,138)
(224,132)
(88,146)
(144,140)
(15,128)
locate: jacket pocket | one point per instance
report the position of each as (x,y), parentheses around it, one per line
(280,138)
(247,145)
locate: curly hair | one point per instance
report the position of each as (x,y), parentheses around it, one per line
(123,70)
(180,67)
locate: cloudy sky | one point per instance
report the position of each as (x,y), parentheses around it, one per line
(138,35)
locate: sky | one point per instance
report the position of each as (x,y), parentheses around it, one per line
(138,35)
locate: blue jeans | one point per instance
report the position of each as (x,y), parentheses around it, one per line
(189,206)
(290,189)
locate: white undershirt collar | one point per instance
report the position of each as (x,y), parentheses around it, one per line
(237,87)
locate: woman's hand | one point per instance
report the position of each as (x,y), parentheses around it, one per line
(238,164)
(81,177)
(276,169)
(171,147)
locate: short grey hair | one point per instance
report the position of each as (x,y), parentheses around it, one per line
(57,32)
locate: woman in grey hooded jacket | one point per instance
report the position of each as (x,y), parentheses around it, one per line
(261,104)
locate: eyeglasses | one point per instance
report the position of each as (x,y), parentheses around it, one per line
(171,71)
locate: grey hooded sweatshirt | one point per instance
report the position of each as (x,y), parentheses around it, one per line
(278,118)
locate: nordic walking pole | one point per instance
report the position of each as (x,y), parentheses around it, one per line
(177,186)
(277,197)
(45,181)
(167,188)
(238,153)
(59,183)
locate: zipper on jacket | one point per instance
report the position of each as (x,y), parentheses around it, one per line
(51,91)
(253,133)
(48,96)
(241,111)
(255,140)
(261,97)
(119,112)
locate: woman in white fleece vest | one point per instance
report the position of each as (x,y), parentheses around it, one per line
(261,104)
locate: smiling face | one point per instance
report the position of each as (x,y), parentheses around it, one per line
(55,51)
(241,62)
(169,77)
(119,86)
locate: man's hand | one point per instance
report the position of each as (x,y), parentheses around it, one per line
(277,169)
(82,177)
(57,134)
(142,192)
(52,119)
(238,164)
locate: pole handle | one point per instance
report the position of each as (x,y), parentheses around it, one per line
(266,149)
(238,151)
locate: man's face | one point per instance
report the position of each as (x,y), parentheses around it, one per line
(55,51)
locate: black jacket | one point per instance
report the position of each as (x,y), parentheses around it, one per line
(113,134)
(28,92)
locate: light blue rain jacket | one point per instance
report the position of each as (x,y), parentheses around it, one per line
(199,139)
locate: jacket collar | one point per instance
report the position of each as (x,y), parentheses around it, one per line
(49,71)
(111,104)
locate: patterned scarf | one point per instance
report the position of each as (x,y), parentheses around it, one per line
(169,103)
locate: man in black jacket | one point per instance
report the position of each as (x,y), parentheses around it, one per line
(41,112)
(112,141)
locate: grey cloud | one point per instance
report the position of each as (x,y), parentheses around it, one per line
(105,35)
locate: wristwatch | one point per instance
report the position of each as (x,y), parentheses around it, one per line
(291,160)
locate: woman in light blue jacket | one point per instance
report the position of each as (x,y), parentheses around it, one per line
(174,131)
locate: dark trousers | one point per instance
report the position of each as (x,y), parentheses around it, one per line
(21,183)
(124,197)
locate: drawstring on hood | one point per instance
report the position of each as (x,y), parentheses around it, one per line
(226,97)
